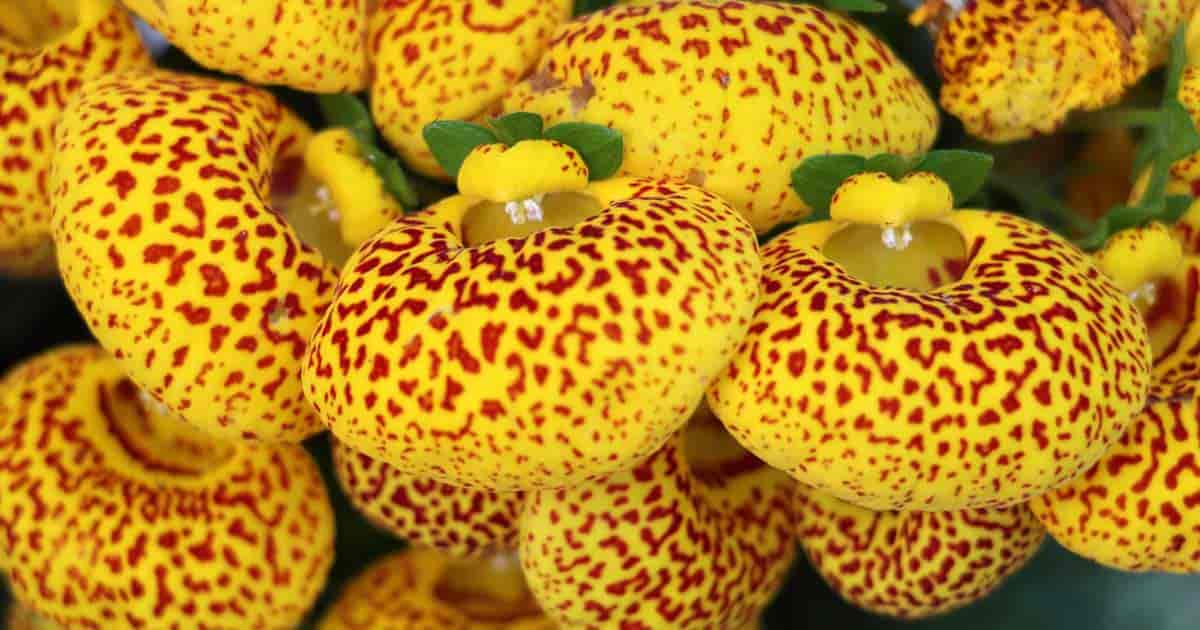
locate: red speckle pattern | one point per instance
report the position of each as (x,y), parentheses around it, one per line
(172,253)
(731,95)
(310,45)
(662,545)
(914,564)
(980,393)
(39,81)
(1138,509)
(459,521)
(537,361)
(99,528)
(450,60)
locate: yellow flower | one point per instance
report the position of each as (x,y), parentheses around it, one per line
(458,521)
(1015,68)
(968,359)
(421,589)
(450,59)
(1136,509)
(698,536)
(48,49)
(730,96)
(119,514)
(164,192)
(305,44)
(914,564)
(507,344)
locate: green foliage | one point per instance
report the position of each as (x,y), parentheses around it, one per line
(601,148)
(451,141)
(346,110)
(1171,136)
(818,177)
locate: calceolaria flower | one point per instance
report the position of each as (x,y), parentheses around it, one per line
(307,44)
(914,564)
(120,515)
(462,522)
(1015,68)
(905,356)
(698,536)
(47,51)
(450,59)
(422,589)
(165,196)
(1136,508)
(729,95)
(537,329)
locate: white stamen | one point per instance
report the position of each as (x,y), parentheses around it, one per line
(533,209)
(516,213)
(525,210)
(897,238)
(1146,294)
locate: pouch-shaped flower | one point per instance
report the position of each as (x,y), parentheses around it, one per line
(48,50)
(904,356)
(170,244)
(535,330)
(450,59)
(310,45)
(727,95)
(120,515)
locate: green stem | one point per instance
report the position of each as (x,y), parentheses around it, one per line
(1034,197)
(345,110)
(1114,118)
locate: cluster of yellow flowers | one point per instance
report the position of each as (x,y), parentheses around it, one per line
(589,390)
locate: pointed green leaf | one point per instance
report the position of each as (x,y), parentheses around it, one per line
(894,165)
(1179,131)
(451,141)
(1176,61)
(601,148)
(856,6)
(1174,207)
(517,126)
(818,177)
(346,110)
(964,171)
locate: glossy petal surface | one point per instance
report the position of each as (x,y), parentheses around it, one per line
(537,361)
(982,392)
(914,564)
(731,96)
(46,54)
(117,517)
(173,254)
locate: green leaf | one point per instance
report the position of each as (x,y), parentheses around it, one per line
(587,6)
(395,180)
(856,6)
(894,165)
(1174,207)
(1178,131)
(818,177)
(601,148)
(1122,217)
(346,110)
(964,171)
(451,141)
(1176,62)
(1145,153)
(1096,238)
(517,126)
